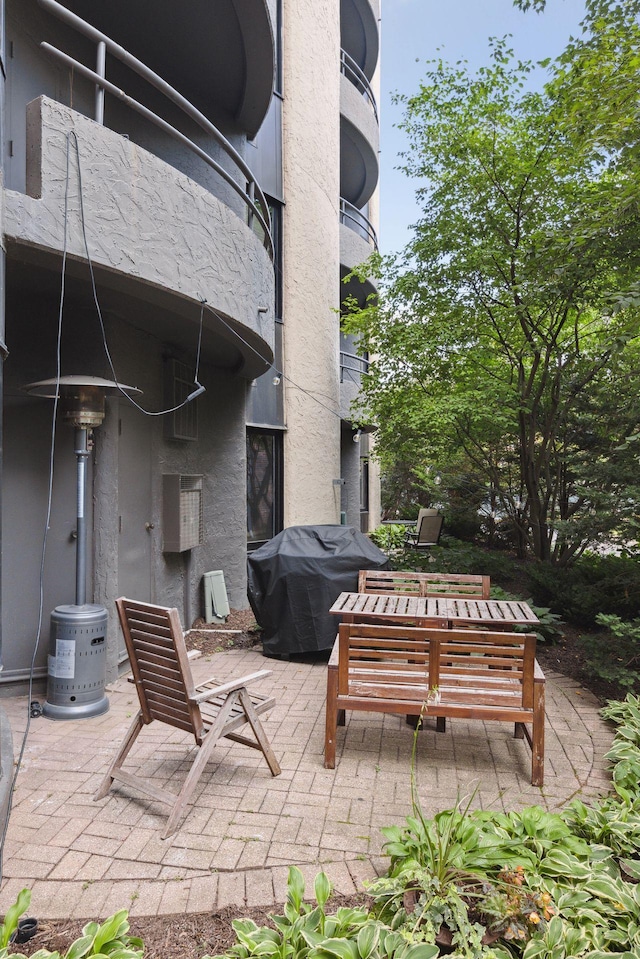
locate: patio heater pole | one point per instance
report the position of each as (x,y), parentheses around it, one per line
(82,454)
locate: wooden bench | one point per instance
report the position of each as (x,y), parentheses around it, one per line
(455,585)
(470,674)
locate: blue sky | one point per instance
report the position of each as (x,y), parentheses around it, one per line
(412,31)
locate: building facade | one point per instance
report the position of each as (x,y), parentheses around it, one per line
(180,205)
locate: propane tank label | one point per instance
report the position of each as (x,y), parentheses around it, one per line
(62,665)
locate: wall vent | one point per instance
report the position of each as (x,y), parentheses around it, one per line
(182,518)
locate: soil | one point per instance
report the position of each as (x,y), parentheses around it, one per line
(173,937)
(194,936)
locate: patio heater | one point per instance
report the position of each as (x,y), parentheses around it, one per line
(77,644)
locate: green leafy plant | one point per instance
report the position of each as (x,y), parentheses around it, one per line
(12,916)
(615,655)
(302,927)
(389,537)
(454,556)
(549,628)
(107,940)
(593,585)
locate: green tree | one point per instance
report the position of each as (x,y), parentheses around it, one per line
(507,331)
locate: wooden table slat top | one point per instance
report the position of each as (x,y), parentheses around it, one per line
(456,611)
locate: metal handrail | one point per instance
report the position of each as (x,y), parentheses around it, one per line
(250,193)
(360,366)
(350,69)
(353,218)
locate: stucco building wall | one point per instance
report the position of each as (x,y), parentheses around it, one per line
(311,259)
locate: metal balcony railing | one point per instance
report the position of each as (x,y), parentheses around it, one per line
(357,221)
(352,366)
(350,69)
(248,189)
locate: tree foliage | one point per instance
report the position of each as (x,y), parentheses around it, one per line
(506,336)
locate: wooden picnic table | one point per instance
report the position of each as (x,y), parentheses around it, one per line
(433,611)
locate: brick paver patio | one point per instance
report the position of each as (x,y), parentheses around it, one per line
(86,859)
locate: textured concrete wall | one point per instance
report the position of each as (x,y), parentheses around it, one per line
(219,456)
(139,213)
(165,241)
(311,119)
(350,494)
(354,249)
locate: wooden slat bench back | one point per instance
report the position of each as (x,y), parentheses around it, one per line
(467,673)
(454,585)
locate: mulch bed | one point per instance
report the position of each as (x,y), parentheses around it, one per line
(188,936)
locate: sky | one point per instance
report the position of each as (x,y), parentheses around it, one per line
(411,33)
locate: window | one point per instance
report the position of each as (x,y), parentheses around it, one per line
(182,424)
(264,486)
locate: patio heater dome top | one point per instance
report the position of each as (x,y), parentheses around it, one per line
(81,397)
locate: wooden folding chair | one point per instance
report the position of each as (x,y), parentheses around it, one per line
(211,711)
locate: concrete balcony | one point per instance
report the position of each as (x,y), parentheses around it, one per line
(359,32)
(359,145)
(153,234)
(358,240)
(352,366)
(220,56)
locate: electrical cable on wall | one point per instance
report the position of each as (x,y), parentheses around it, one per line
(278,373)
(203,304)
(200,389)
(18,764)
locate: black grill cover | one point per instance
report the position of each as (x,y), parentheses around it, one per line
(295,578)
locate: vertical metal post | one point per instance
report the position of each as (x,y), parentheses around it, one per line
(82,453)
(251,193)
(3,349)
(101,68)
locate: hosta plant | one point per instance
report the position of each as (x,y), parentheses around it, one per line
(107,940)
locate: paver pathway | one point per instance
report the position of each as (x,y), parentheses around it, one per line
(86,859)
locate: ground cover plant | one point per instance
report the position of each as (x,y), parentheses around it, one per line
(521,885)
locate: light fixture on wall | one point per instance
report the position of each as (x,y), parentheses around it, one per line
(356,436)
(77,644)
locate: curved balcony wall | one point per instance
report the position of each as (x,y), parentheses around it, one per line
(56,53)
(352,367)
(359,32)
(354,250)
(359,145)
(219,55)
(358,239)
(146,224)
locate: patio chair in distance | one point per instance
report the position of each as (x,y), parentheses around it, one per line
(427,532)
(167,693)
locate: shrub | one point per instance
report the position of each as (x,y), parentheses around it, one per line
(454,556)
(549,628)
(615,655)
(389,537)
(593,585)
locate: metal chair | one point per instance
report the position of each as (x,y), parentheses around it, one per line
(427,533)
